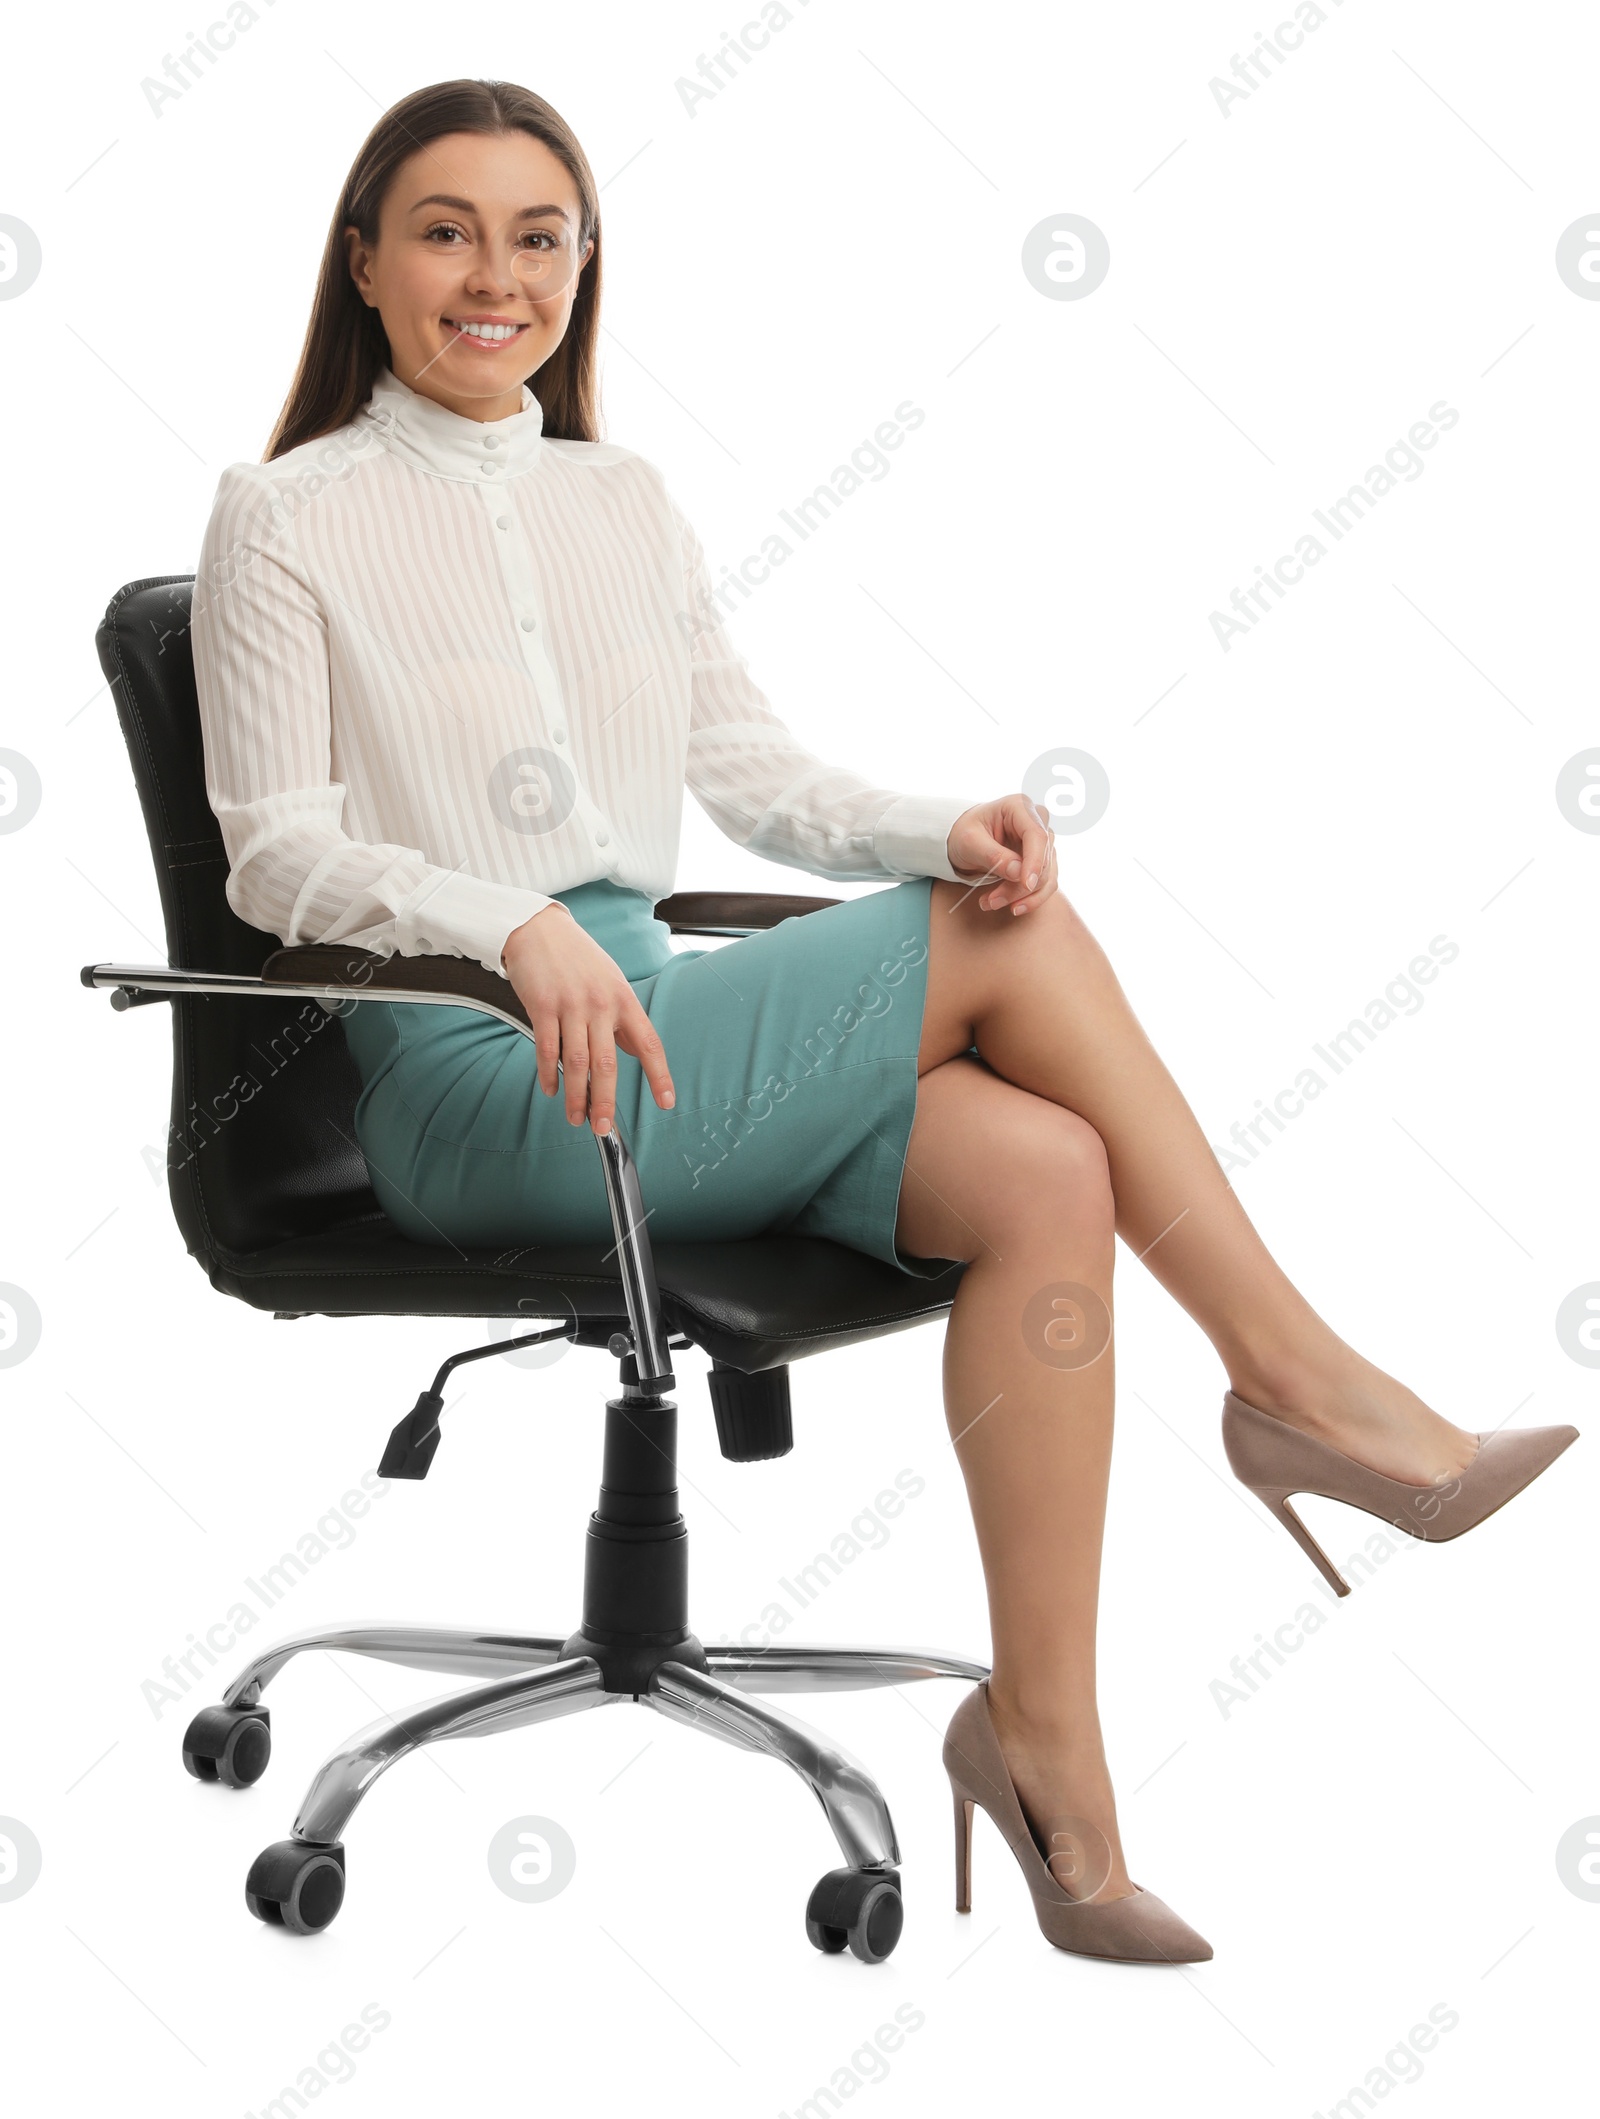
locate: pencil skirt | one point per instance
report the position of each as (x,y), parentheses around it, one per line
(794,1060)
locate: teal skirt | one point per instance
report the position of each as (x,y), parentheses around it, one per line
(793,1053)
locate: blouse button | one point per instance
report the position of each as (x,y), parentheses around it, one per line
(491,441)
(529,624)
(488,470)
(502,522)
(559,734)
(602,838)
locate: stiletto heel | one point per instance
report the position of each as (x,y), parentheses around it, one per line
(1283,1509)
(1275,1460)
(1137,1929)
(963,1853)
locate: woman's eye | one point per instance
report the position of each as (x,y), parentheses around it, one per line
(541,236)
(441,228)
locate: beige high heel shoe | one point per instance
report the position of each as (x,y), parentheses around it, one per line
(1138,1929)
(1275,1460)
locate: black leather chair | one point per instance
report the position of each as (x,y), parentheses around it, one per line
(271,1194)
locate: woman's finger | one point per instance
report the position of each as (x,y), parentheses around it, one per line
(575,1066)
(636,1034)
(1022,873)
(546,1027)
(1007,889)
(1037,841)
(602,1077)
(1049,884)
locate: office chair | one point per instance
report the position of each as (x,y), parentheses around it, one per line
(271,1194)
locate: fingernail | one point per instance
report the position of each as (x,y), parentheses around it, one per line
(1013,868)
(668,1101)
(1033,881)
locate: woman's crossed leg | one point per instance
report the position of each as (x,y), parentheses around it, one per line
(1027,1164)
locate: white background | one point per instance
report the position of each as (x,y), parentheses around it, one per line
(1372,1833)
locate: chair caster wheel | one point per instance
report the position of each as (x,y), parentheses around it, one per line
(228,1744)
(295,1885)
(856,1908)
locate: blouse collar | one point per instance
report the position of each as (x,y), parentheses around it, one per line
(432,438)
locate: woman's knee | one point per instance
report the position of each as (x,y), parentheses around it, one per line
(1055,1173)
(981,961)
(989,1161)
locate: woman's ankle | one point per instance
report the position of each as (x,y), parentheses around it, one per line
(1301,1386)
(1362,1411)
(1038,1711)
(1062,1783)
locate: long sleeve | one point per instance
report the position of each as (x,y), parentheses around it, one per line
(261,647)
(766,792)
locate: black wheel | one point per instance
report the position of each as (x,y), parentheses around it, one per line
(859,1910)
(297,1886)
(228,1744)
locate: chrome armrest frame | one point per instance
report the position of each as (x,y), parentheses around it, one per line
(132,984)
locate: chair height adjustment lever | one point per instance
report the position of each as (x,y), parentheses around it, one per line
(412,1445)
(410,1449)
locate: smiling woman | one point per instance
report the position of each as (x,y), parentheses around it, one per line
(477,268)
(443,249)
(452,695)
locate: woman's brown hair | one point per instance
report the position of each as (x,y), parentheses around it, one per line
(346,345)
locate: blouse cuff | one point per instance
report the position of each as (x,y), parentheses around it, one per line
(912,835)
(462,915)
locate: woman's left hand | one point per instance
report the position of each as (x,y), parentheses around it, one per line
(1009,841)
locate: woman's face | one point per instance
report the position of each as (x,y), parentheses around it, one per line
(475,268)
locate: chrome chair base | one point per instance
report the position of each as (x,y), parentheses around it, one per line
(299,1883)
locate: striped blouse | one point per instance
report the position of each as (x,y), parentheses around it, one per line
(447,668)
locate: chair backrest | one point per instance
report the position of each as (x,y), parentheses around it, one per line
(262,1141)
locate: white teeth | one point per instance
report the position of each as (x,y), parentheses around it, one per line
(491,331)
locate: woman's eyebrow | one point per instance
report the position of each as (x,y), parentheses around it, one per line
(528,213)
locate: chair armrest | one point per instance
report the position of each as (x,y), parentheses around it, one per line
(322,971)
(732,912)
(452,980)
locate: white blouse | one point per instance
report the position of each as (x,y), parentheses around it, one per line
(447,668)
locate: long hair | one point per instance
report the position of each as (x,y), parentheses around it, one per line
(346,345)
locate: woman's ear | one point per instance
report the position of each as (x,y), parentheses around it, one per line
(359,255)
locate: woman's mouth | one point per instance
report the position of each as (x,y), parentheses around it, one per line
(488,334)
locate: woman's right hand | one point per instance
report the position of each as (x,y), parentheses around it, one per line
(581,1009)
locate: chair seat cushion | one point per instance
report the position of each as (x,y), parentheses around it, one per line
(754,1305)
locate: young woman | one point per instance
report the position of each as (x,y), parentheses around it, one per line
(457,660)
